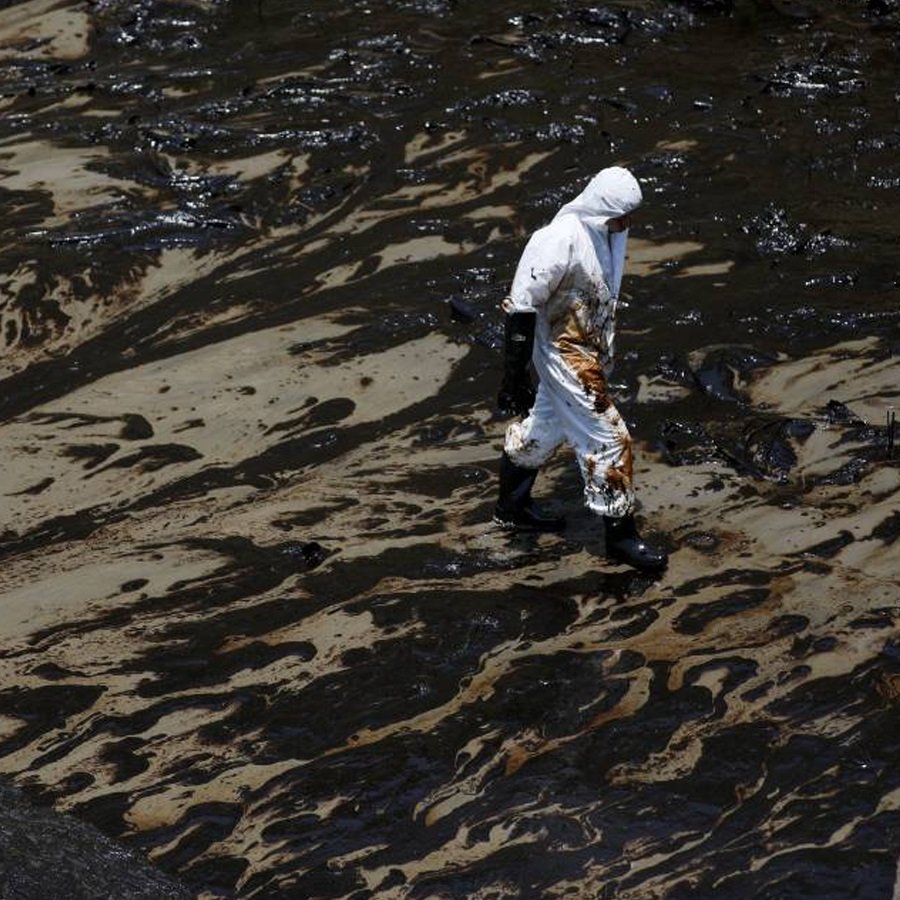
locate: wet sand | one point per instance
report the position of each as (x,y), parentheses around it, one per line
(255,621)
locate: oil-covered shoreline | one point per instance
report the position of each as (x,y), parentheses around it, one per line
(255,621)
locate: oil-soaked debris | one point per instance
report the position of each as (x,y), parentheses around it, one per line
(676,370)
(684,443)
(763,450)
(776,235)
(717,371)
(810,79)
(882,182)
(704,541)
(165,230)
(838,413)
(856,430)
(501,100)
(302,555)
(670,160)
(717,379)
(558,132)
(768,447)
(573,28)
(852,472)
(843,280)
(462,311)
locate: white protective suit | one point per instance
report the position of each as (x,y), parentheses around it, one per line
(569,274)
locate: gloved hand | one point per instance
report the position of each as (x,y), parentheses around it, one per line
(516,395)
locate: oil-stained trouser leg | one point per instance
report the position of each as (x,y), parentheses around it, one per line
(592,426)
(531,442)
(604,450)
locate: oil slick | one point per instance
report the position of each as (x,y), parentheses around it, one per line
(255,622)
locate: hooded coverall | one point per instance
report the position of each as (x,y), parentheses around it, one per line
(569,274)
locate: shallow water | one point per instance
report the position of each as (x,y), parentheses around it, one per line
(255,621)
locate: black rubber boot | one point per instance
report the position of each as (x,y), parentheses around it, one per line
(515,508)
(624,544)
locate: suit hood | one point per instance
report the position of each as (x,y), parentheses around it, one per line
(610,193)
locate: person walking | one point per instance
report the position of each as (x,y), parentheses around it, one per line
(560,315)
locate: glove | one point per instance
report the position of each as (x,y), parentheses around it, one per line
(516,395)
